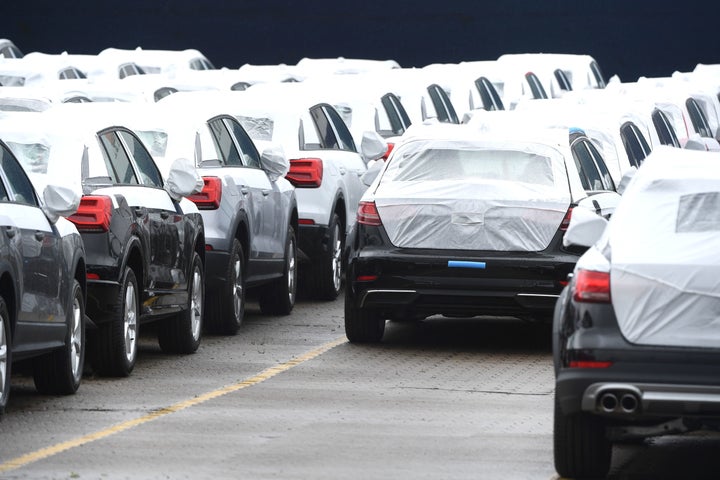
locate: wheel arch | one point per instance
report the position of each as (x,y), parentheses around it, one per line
(7,284)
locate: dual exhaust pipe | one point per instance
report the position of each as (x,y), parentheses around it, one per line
(626,402)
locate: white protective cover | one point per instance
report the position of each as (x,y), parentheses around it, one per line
(664,240)
(465,194)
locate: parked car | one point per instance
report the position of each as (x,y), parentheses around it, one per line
(635,342)
(167,62)
(325,168)
(144,241)
(462,222)
(42,282)
(8,49)
(248,207)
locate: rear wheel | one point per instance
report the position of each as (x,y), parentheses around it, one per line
(60,371)
(326,275)
(182,333)
(226,307)
(114,351)
(5,355)
(362,326)
(581,448)
(278,298)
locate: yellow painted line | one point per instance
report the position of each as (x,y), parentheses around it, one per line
(121,427)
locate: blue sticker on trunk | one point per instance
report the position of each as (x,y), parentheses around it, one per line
(464,264)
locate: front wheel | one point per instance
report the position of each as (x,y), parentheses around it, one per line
(278,297)
(580,446)
(5,355)
(114,351)
(182,333)
(362,326)
(60,371)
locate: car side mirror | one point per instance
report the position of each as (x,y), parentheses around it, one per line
(274,162)
(372,146)
(585,228)
(183,179)
(60,201)
(372,172)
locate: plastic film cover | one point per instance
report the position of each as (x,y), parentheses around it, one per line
(664,237)
(465,196)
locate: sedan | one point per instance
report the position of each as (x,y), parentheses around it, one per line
(42,283)
(635,333)
(463,223)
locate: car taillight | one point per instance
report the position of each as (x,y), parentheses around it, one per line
(367,214)
(389,151)
(592,287)
(210,196)
(93,214)
(305,172)
(566,220)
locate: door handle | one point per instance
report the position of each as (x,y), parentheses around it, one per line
(164,215)
(244,189)
(10,231)
(139,211)
(266,193)
(343,171)
(39,236)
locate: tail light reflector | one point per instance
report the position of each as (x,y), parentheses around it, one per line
(367,214)
(305,172)
(210,196)
(592,287)
(389,151)
(588,364)
(566,220)
(93,214)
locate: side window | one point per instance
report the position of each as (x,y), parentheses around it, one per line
(149,173)
(250,155)
(488,94)
(697,117)
(635,144)
(443,106)
(589,174)
(665,132)
(562,80)
(163,92)
(323,128)
(599,79)
(18,182)
(538,91)
(605,177)
(226,149)
(341,130)
(116,159)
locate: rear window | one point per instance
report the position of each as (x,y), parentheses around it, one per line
(699,212)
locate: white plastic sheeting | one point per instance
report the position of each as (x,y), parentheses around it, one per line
(664,239)
(465,195)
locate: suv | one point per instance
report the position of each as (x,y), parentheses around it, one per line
(145,243)
(42,282)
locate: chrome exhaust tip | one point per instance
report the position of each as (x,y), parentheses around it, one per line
(608,402)
(629,403)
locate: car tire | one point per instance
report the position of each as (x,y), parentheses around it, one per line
(326,276)
(278,297)
(581,448)
(60,372)
(115,349)
(226,307)
(182,333)
(5,355)
(362,326)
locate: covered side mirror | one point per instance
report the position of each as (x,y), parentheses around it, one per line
(371,174)
(274,162)
(60,201)
(183,179)
(372,146)
(586,228)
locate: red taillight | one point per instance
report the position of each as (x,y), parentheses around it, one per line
(210,196)
(93,214)
(389,151)
(592,287)
(366,278)
(588,364)
(367,214)
(92,276)
(306,221)
(566,220)
(305,172)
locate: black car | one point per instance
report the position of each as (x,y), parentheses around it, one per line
(42,283)
(462,223)
(144,242)
(635,333)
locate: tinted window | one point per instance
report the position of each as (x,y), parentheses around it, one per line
(665,132)
(635,144)
(250,155)
(488,94)
(163,92)
(599,79)
(18,182)
(562,80)
(149,172)
(240,86)
(697,117)
(589,174)
(323,129)
(341,130)
(605,177)
(399,121)
(227,150)
(116,159)
(538,91)
(444,109)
